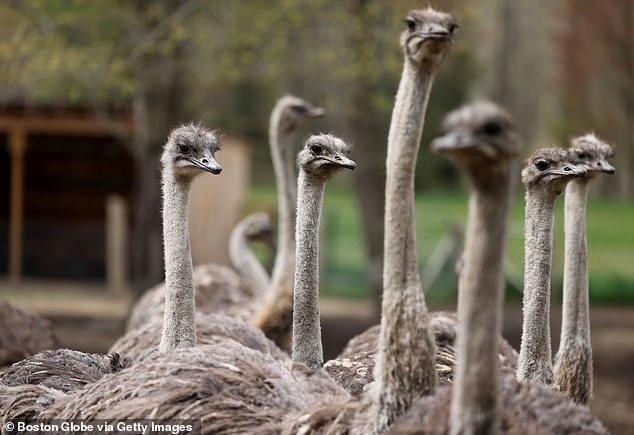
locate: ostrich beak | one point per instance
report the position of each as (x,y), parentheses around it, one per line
(606,167)
(208,164)
(316,112)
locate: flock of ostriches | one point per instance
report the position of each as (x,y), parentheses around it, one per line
(211,344)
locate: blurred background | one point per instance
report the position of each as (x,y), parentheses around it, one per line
(89,91)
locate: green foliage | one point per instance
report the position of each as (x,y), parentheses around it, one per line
(610,244)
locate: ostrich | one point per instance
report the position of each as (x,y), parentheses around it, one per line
(188,152)
(545,179)
(321,158)
(515,407)
(481,141)
(573,361)
(218,288)
(230,387)
(254,227)
(24,333)
(274,316)
(182,326)
(405,370)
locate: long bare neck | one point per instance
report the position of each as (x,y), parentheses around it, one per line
(575,321)
(534,363)
(307,346)
(246,262)
(573,362)
(404,367)
(474,398)
(275,312)
(283,165)
(178,321)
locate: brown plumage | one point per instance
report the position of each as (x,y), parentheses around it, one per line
(525,409)
(218,289)
(23,333)
(210,329)
(62,369)
(231,388)
(26,402)
(353,368)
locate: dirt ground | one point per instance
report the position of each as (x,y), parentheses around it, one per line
(612,330)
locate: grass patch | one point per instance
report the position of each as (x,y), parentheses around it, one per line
(342,255)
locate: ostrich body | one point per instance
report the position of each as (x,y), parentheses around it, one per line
(545,178)
(229,387)
(321,158)
(64,370)
(254,227)
(573,361)
(24,333)
(525,409)
(482,142)
(274,316)
(218,289)
(210,329)
(25,402)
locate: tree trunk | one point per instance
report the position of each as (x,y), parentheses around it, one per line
(158,107)
(370,174)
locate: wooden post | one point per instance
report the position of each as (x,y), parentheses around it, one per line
(17,149)
(116,244)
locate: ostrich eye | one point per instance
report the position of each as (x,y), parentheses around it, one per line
(299,109)
(316,150)
(581,155)
(411,24)
(492,128)
(183,148)
(541,164)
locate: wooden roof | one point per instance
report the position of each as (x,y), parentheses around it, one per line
(65,120)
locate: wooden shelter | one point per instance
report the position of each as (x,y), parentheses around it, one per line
(66,189)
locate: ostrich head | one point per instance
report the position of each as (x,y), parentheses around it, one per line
(481,139)
(324,155)
(189,150)
(592,153)
(550,168)
(427,37)
(294,111)
(259,228)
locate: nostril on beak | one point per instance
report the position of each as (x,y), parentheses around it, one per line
(567,168)
(205,161)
